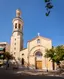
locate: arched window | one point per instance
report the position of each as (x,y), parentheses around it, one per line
(19,26)
(22,61)
(15,25)
(38,40)
(38,53)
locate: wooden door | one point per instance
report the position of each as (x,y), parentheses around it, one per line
(39,64)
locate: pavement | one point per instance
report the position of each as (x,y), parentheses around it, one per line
(25,74)
(33,72)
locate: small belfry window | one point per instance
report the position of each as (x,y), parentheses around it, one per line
(19,26)
(15,43)
(15,25)
(14,53)
(15,38)
(38,40)
(22,53)
(14,48)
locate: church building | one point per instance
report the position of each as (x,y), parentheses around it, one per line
(33,55)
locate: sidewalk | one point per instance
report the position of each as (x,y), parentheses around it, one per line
(29,72)
(25,71)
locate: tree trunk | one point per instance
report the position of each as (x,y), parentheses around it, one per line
(58,65)
(53,65)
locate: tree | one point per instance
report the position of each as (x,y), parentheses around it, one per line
(7,56)
(56,54)
(59,54)
(48,6)
(50,53)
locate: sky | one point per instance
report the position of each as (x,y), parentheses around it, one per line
(35,21)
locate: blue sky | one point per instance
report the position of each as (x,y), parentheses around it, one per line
(33,15)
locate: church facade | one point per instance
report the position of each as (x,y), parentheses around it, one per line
(33,55)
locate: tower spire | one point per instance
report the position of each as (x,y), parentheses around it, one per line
(18,13)
(17,35)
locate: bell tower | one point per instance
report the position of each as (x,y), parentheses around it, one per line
(16,44)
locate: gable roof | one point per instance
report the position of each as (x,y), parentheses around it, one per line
(40,37)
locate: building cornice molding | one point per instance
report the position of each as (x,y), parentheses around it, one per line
(17,19)
(17,31)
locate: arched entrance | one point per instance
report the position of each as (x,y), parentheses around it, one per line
(22,61)
(38,60)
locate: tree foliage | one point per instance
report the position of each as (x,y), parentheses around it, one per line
(55,54)
(50,53)
(60,53)
(48,6)
(7,56)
